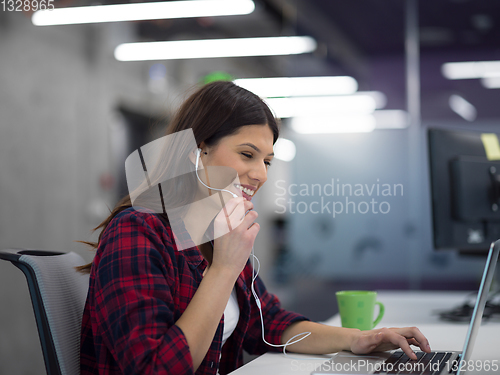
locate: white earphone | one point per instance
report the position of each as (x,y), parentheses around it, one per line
(292,340)
(198,156)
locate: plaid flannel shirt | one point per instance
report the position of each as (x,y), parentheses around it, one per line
(140,285)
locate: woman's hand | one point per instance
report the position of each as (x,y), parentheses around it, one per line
(201,318)
(231,250)
(390,338)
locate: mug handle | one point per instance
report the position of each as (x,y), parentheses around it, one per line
(381,310)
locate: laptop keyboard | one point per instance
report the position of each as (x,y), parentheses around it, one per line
(425,364)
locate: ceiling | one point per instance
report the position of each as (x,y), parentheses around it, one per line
(376,26)
(365,39)
(372,27)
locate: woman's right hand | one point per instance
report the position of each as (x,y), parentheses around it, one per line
(232,249)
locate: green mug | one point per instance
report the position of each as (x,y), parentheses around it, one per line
(356,309)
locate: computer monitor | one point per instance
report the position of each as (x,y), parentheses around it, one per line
(465,189)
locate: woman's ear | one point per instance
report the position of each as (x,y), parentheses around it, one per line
(197,153)
(193,155)
(203,147)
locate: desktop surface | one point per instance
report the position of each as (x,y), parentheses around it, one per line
(403,308)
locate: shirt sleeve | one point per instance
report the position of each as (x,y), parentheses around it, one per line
(276,320)
(134,300)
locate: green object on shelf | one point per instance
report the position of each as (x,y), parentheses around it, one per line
(217,76)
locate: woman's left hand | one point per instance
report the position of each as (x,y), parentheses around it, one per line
(383,339)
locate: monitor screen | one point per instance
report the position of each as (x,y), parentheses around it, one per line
(465,189)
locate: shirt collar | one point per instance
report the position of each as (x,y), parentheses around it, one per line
(191,252)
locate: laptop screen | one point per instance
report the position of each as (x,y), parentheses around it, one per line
(482,296)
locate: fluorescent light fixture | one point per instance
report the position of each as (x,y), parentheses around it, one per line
(284,149)
(354,123)
(142,11)
(462,107)
(299,86)
(491,81)
(321,105)
(212,48)
(351,123)
(379,97)
(470,69)
(391,119)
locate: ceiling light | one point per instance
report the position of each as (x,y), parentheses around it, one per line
(462,107)
(284,149)
(142,11)
(299,86)
(321,105)
(379,97)
(354,123)
(470,69)
(491,80)
(211,48)
(391,119)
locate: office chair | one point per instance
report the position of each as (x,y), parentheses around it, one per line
(58,293)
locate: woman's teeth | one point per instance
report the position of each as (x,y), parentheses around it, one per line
(245,190)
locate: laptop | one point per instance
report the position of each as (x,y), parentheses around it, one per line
(435,363)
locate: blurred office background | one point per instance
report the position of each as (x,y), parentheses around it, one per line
(71,112)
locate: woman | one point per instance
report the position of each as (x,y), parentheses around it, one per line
(154,309)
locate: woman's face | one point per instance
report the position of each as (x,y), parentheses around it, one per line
(249,152)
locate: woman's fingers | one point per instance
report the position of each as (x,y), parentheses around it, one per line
(413,342)
(404,337)
(402,342)
(385,339)
(237,215)
(242,214)
(417,336)
(391,338)
(253,230)
(231,215)
(234,204)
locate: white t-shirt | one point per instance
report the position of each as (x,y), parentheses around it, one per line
(231,316)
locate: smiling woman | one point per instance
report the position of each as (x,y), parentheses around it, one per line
(235,128)
(152,308)
(249,152)
(217,111)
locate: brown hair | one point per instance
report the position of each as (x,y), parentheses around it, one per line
(213,112)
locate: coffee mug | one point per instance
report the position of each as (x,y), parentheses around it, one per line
(356,309)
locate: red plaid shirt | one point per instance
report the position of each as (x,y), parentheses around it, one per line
(140,285)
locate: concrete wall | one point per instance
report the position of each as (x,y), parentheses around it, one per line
(59,88)
(51,141)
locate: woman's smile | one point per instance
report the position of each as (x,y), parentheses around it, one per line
(247,190)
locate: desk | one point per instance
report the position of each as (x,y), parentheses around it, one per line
(401,309)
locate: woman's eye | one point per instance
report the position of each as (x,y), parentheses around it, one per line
(250,156)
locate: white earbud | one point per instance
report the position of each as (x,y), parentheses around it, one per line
(198,156)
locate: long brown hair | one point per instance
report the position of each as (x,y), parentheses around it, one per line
(213,112)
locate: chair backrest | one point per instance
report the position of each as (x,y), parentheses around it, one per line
(58,293)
